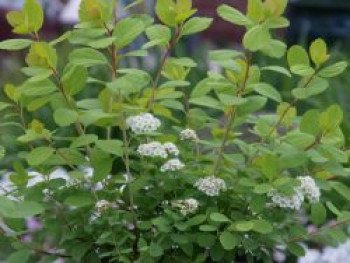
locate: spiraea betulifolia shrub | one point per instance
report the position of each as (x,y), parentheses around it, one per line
(157,168)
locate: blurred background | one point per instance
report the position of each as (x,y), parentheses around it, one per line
(310,19)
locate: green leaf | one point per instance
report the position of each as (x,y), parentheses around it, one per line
(79,199)
(318,52)
(208,228)
(331,118)
(286,113)
(206,101)
(95,11)
(41,88)
(255,10)
(160,34)
(26,209)
(278,69)
(337,234)
(310,122)
(269,165)
(302,70)
(87,57)
(299,140)
(61,38)
(262,226)
(333,70)
(297,55)
(318,214)
(315,87)
(218,217)
(74,79)
(256,38)
(155,250)
(341,189)
(184,62)
(166,12)
(332,153)
(275,49)
(196,25)
(333,209)
(29,20)
(4,105)
(183,10)
(229,100)
(114,147)
(228,240)
(277,22)
(33,14)
(39,155)
(233,15)
(15,44)
(268,91)
(276,7)
(244,226)
(2,152)
(102,163)
(127,30)
(102,43)
(223,54)
(296,249)
(20,256)
(41,54)
(84,140)
(65,117)
(196,220)
(129,83)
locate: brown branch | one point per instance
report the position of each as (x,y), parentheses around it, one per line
(166,55)
(318,231)
(78,127)
(34,248)
(290,106)
(231,116)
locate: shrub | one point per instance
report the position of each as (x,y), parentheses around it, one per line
(157,169)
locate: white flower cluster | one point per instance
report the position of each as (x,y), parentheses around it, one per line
(187,206)
(156,149)
(102,206)
(310,189)
(188,135)
(293,202)
(143,123)
(340,254)
(153,149)
(211,185)
(307,189)
(171,148)
(172,165)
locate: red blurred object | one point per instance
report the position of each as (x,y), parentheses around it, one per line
(5,28)
(220,29)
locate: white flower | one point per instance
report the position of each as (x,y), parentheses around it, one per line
(211,185)
(172,165)
(187,206)
(310,189)
(292,202)
(188,135)
(153,149)
(171,148)
(311,256)
(340,254)
(102,206)
(143,123)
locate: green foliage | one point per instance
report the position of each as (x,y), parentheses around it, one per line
(118,204)
(29,20)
